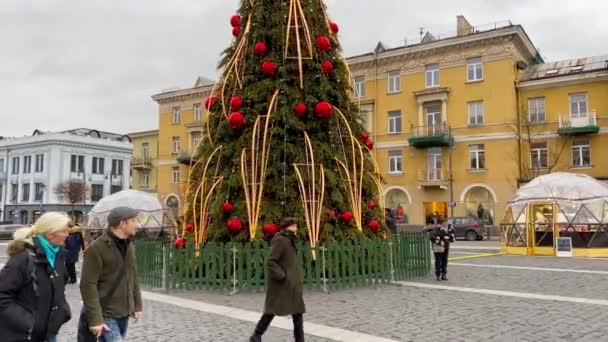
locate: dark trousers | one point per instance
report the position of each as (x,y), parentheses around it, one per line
(264,323)
(71,272)
(441,263)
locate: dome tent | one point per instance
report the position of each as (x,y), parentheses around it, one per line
(558,205)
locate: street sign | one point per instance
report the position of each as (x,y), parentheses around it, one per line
(451,204)
(563,247)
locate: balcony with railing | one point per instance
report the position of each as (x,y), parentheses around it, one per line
(432,178)
(578,124)
(142,163)
(431,136)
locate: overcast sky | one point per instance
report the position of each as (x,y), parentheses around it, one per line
(95,63)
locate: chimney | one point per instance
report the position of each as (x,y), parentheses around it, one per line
(463,27)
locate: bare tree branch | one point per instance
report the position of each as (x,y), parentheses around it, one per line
(72,191)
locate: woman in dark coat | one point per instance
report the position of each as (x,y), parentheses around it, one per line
(441,238)
(32,298)
(284,295)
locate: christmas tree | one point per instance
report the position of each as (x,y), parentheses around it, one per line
(282,137)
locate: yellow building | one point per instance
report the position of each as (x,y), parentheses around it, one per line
(144,165)
(181,123)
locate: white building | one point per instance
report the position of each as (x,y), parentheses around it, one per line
(31,167)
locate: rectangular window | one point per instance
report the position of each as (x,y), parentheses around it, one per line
(477,157)
(27,164)
(474,69)
(175,175)
(14,192)
(39,163)
(1,165)
(98,165)
(96,192)
(116,167)
(360,86)
(578,105)
(476,113)
(145,151)
(432,75)
(395,162)
(394,122)
(16,165)
(1,191)
(145,178)
(536,109)
(115,188)
(539,155)
(196,140)
(394,81)
(25,192)
(175,145)
(581,153)
(38,191)
(77,163)
(176,116)
(197,112)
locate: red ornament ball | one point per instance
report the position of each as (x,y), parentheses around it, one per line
(227,207)
(323,43)
(334,27)
(236,31)
(300,109)
(364,136)
(236,120)
(210,101)
(346,216)
(371,205)
(260,49)
(324,110)
(180,243)
(270,229)
(234,225)
(269,68)
(235,20)
(327,66)
(374,225)
(370,144)
(190,227)
(236,103)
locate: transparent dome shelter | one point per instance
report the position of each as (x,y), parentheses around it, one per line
(557,205)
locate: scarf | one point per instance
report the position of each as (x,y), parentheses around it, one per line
(49,250)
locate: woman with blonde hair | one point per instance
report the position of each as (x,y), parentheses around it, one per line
(32,283)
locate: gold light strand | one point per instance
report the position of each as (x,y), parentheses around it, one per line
(296,18)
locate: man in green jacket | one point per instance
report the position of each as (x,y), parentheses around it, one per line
(109,287)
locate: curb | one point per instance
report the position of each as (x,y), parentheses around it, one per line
(475,256)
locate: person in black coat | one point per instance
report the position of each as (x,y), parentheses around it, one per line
(391,220)
(441,238)
(32,299)
(73,245)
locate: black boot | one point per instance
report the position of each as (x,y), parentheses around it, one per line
(438,278)
(255,338)
(443,277)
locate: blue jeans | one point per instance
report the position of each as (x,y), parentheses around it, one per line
(51,338)
(118,329)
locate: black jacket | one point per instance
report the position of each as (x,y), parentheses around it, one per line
(73,245)
(32,298)
(445,237)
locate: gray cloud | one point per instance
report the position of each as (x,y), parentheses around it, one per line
(67,64)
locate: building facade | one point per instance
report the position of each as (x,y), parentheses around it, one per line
(144,165)
(32,167)
(181,126)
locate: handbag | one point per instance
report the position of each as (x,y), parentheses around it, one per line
(84,331)
(438,248)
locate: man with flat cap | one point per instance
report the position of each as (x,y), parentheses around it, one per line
(108,285)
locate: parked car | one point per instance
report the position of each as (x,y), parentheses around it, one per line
(7,230)
(469,228)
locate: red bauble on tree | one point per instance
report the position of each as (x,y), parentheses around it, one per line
(371,205)
(300,109)
(260,49)
(236,31)
(327,66)
(227,207)
(236,103)
(270,229)
(190,227)
(364,136)
(374,225)
(210,102)
(236,120)
(234,225)
(180,243)
(235,20)
(370,144)
(334,27)
(324,110)
(269,68)
(323,43)
(346,217)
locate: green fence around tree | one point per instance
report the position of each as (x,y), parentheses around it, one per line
(235,267)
